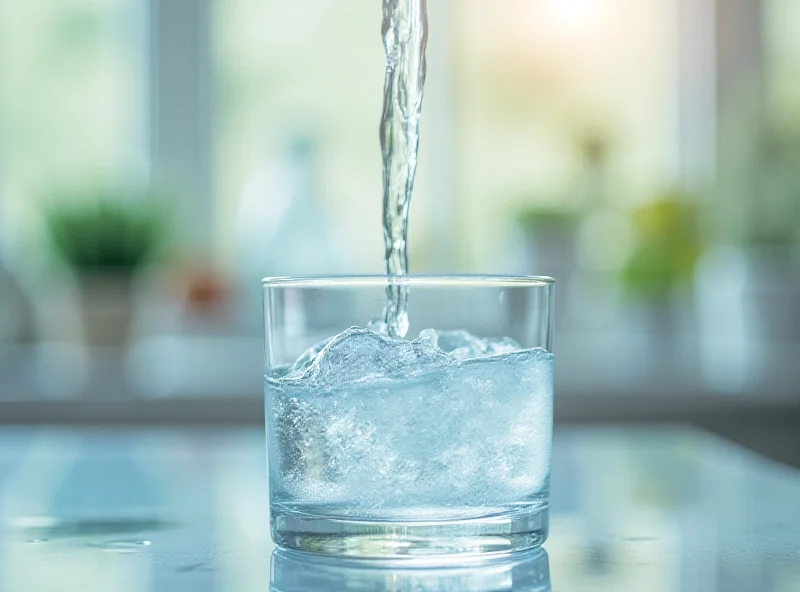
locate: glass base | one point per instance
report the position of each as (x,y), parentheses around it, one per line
(490,534)
(296,571)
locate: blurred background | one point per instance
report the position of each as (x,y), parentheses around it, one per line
(157,159)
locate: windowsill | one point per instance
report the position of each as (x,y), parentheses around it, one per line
(594,368)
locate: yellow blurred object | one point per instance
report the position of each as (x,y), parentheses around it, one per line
(667,248)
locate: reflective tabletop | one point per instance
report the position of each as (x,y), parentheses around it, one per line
(637,508)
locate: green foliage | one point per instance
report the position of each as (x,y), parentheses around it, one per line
(667,249)
(550,220)
(109,231)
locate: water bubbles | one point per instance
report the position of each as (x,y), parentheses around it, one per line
(373,423)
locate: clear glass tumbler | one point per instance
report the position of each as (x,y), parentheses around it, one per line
(433,444)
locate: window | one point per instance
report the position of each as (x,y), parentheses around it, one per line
(71,101)
(782,39)
(311,68)
(534,83)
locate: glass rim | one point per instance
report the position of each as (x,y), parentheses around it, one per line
(411,280)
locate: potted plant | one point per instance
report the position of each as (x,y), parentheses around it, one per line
(770,239)
(550,241)
(550,234)
(106,239)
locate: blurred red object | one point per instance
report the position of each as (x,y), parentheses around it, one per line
(206,291)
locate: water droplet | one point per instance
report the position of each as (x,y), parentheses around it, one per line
(124,546)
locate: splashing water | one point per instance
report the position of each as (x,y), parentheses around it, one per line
(370,425)
(405,37)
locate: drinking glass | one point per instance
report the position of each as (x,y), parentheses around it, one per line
(433,444)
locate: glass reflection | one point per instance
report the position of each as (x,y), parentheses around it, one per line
(294,571)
